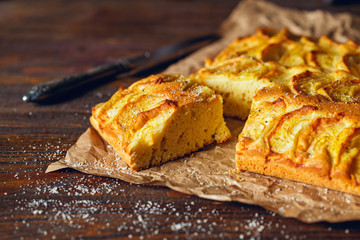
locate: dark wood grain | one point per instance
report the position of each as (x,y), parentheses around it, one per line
(42,40)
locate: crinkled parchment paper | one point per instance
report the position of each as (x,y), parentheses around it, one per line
(207,172)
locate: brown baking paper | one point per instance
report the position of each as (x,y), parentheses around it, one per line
(207,173)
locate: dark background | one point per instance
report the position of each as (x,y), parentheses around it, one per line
(42,40)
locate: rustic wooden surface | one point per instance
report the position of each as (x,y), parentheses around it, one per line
(42,40)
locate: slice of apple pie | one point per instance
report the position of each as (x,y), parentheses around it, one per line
(302,138)
(160,118)
(271,58)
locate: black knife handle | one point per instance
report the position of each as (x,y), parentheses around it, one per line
(58,86)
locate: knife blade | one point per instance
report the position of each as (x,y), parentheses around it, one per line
(54,88)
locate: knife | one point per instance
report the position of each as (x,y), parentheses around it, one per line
(55,88)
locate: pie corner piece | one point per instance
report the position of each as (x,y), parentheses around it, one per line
(302,138)
(160,118)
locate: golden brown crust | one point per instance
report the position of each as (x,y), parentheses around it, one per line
(290,50)
(143,122)
(302,138)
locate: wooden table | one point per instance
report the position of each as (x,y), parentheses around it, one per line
(42,40)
